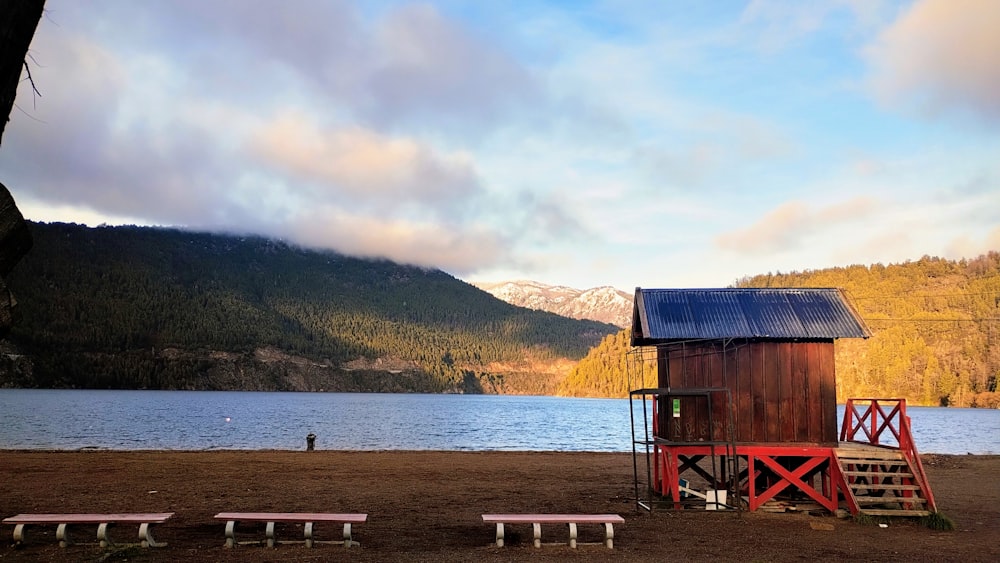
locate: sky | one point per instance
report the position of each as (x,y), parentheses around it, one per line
(630,144)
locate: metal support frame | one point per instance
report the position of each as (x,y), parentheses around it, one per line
(666,459)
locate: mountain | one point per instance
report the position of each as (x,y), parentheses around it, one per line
(136,307)
(604,304)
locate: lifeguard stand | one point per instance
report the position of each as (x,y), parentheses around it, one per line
(745,404)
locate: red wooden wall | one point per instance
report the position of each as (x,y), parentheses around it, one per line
(782,392)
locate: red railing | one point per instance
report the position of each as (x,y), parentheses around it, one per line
(874,421)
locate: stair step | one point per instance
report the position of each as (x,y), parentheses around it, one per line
(868,453)
(884,487)
(887,500)
(882,467)
(887,512)
(869,461)
(882,474)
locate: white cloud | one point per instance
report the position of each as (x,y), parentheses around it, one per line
(773,25)
(426,64)
(46,213)
(941,55)
(364,166)
(703,152)
(458,251)
(792,224)
(967,247)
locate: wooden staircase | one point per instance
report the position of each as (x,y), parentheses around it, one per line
(876,479)
(881,482)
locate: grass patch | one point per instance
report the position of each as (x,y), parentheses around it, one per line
(869,520)
(938,521)
(935,521)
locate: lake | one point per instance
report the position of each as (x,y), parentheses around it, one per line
(206,420)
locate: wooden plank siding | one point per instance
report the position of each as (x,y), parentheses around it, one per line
(790,393)
(782,391)
(800,393)
(743,394)
(717,365)
(772,394)
(828,394)
(814,381)
(758,394)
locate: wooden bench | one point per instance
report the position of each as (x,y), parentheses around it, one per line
(103,521)
(307,518)
(536,521)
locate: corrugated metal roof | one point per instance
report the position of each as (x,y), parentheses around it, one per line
(666,315)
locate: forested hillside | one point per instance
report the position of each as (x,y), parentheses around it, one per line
(935,325)
(132,307)
(608,370)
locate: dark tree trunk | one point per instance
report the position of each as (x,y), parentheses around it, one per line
(15,239)
(18,20)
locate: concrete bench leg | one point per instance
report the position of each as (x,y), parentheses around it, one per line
(231,533)
(499,534)
(269,532)
(536,531)
(62,534)
(307,531)
(348,538)
(572,535)
(102,534)
(146,536)
(18,533)
(609,535)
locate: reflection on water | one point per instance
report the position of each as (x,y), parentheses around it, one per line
(202,420)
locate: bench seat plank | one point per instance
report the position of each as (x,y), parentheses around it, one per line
(536,521)
(151,518)
(306,518)
(553,518)
(292,517)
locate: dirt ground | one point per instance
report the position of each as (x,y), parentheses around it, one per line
(427,506)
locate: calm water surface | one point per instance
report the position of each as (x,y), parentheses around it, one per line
(205,420)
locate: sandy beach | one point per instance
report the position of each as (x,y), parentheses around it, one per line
(427,506)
